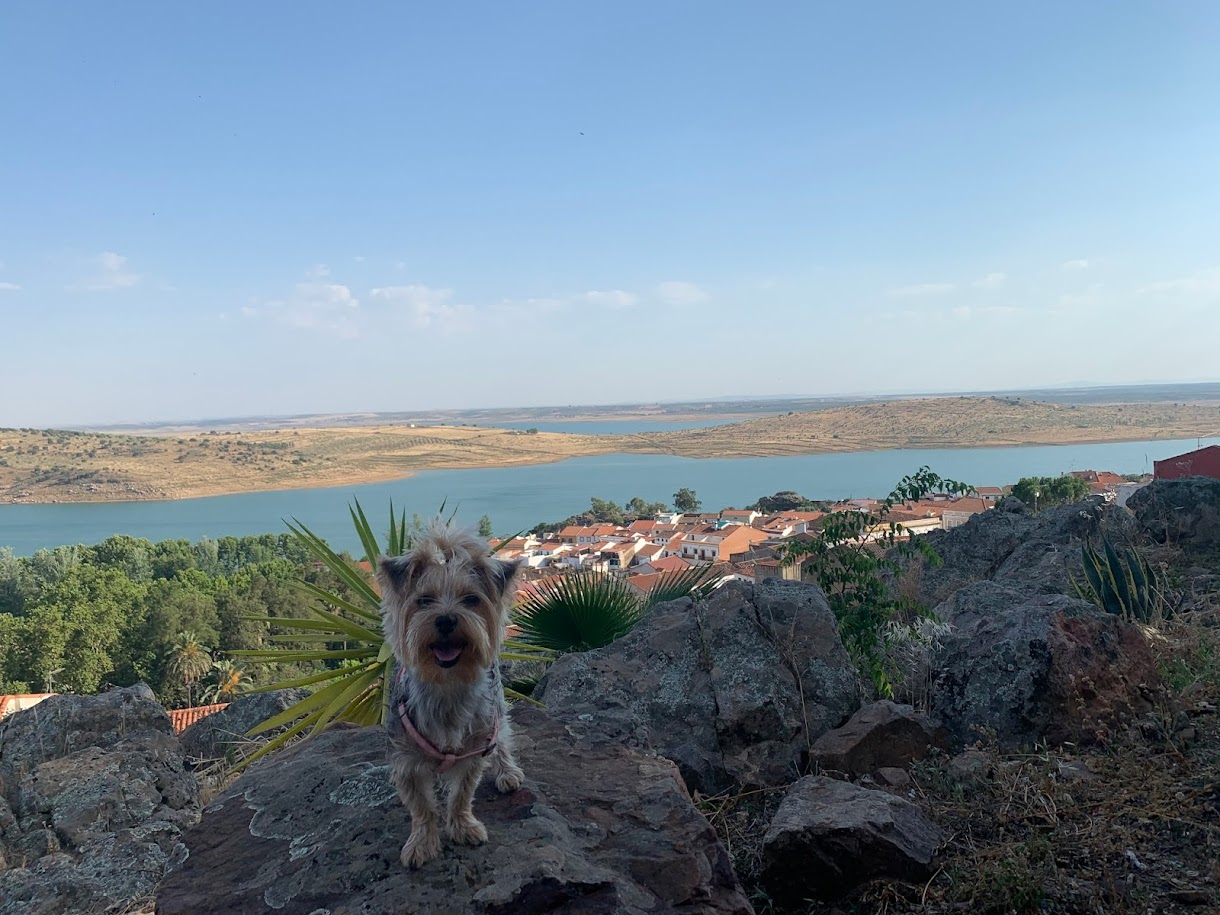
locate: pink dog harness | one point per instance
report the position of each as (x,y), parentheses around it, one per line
(444,761)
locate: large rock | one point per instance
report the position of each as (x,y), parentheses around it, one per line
(880,735)
(829,836)
(733,689)
(219,734)
(1011,544)
(94,800)
(598,828)
(1180,512)
(1034,667)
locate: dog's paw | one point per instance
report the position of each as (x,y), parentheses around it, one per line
(467,831)
(420,849)
(509,780)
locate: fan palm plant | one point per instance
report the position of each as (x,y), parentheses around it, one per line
(344,637)
(189,661)
(230,681)
(590,610)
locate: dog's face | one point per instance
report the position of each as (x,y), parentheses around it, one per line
(444,605)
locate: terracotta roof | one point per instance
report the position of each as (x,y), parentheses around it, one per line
(967,504)
(645,582)
(669,564)
(183,718)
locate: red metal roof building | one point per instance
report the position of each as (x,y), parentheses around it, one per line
(1204,462)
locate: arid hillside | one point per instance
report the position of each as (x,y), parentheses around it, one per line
(943,422)
(59,466)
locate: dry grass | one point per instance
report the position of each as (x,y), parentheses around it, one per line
(52,466)
(1129,827)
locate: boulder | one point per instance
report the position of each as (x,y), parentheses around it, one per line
(1180,512)
(1011,544)
(829,836)
(1034,667)
(597,828)
(214,737)
(733,689)
(96,798)
(881,734)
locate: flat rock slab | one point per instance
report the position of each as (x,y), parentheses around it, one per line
(316,830)
(829,836)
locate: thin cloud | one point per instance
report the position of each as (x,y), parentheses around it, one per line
(611,298)
(680,292)
(920,289)
(328,307)
(112,273)
(9,287)
(1078,264)
(426,306)
(991,281)
(1205,282)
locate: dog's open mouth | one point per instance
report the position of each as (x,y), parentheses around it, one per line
(448,653)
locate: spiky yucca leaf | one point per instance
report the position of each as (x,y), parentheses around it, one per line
(1121,582)
(342,630)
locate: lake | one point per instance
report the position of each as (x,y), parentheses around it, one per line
(517,498)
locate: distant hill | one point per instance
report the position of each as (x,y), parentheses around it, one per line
(70,466)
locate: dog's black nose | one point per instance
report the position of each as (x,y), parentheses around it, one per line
(446,624)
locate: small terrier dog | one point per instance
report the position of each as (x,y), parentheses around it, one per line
(444,607)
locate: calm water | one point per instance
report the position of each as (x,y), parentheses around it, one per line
(520,497)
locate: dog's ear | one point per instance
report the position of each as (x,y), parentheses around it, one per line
(502,572)
(395,573)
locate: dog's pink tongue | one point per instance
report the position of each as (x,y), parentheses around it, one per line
(446,654)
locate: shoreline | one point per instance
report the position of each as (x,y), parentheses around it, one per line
(360,479)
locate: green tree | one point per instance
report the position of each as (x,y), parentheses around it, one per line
(855,555)
(605,512)
(228,681)
(485,530)
(685,501)
(189,660)
(1043,492)
(638,508)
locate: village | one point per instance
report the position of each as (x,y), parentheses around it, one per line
(749,545)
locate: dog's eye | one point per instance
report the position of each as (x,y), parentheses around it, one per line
(470,600)
(425,601)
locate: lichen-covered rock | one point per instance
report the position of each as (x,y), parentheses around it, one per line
(1033,667)
(1180,512)
(216,736)
(597,828)
(732,689)
(96,798)
(881,734)
(829,836)
(1011,544)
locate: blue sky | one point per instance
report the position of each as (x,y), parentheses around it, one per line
(280,207)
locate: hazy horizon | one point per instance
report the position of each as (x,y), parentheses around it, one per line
(394,208)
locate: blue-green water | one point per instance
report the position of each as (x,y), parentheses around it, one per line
(519,497)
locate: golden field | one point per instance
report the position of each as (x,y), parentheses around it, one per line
(58,466)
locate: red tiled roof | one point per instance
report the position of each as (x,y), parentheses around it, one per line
(183,718)
(669,564)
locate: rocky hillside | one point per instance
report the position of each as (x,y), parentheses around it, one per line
(723,757)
